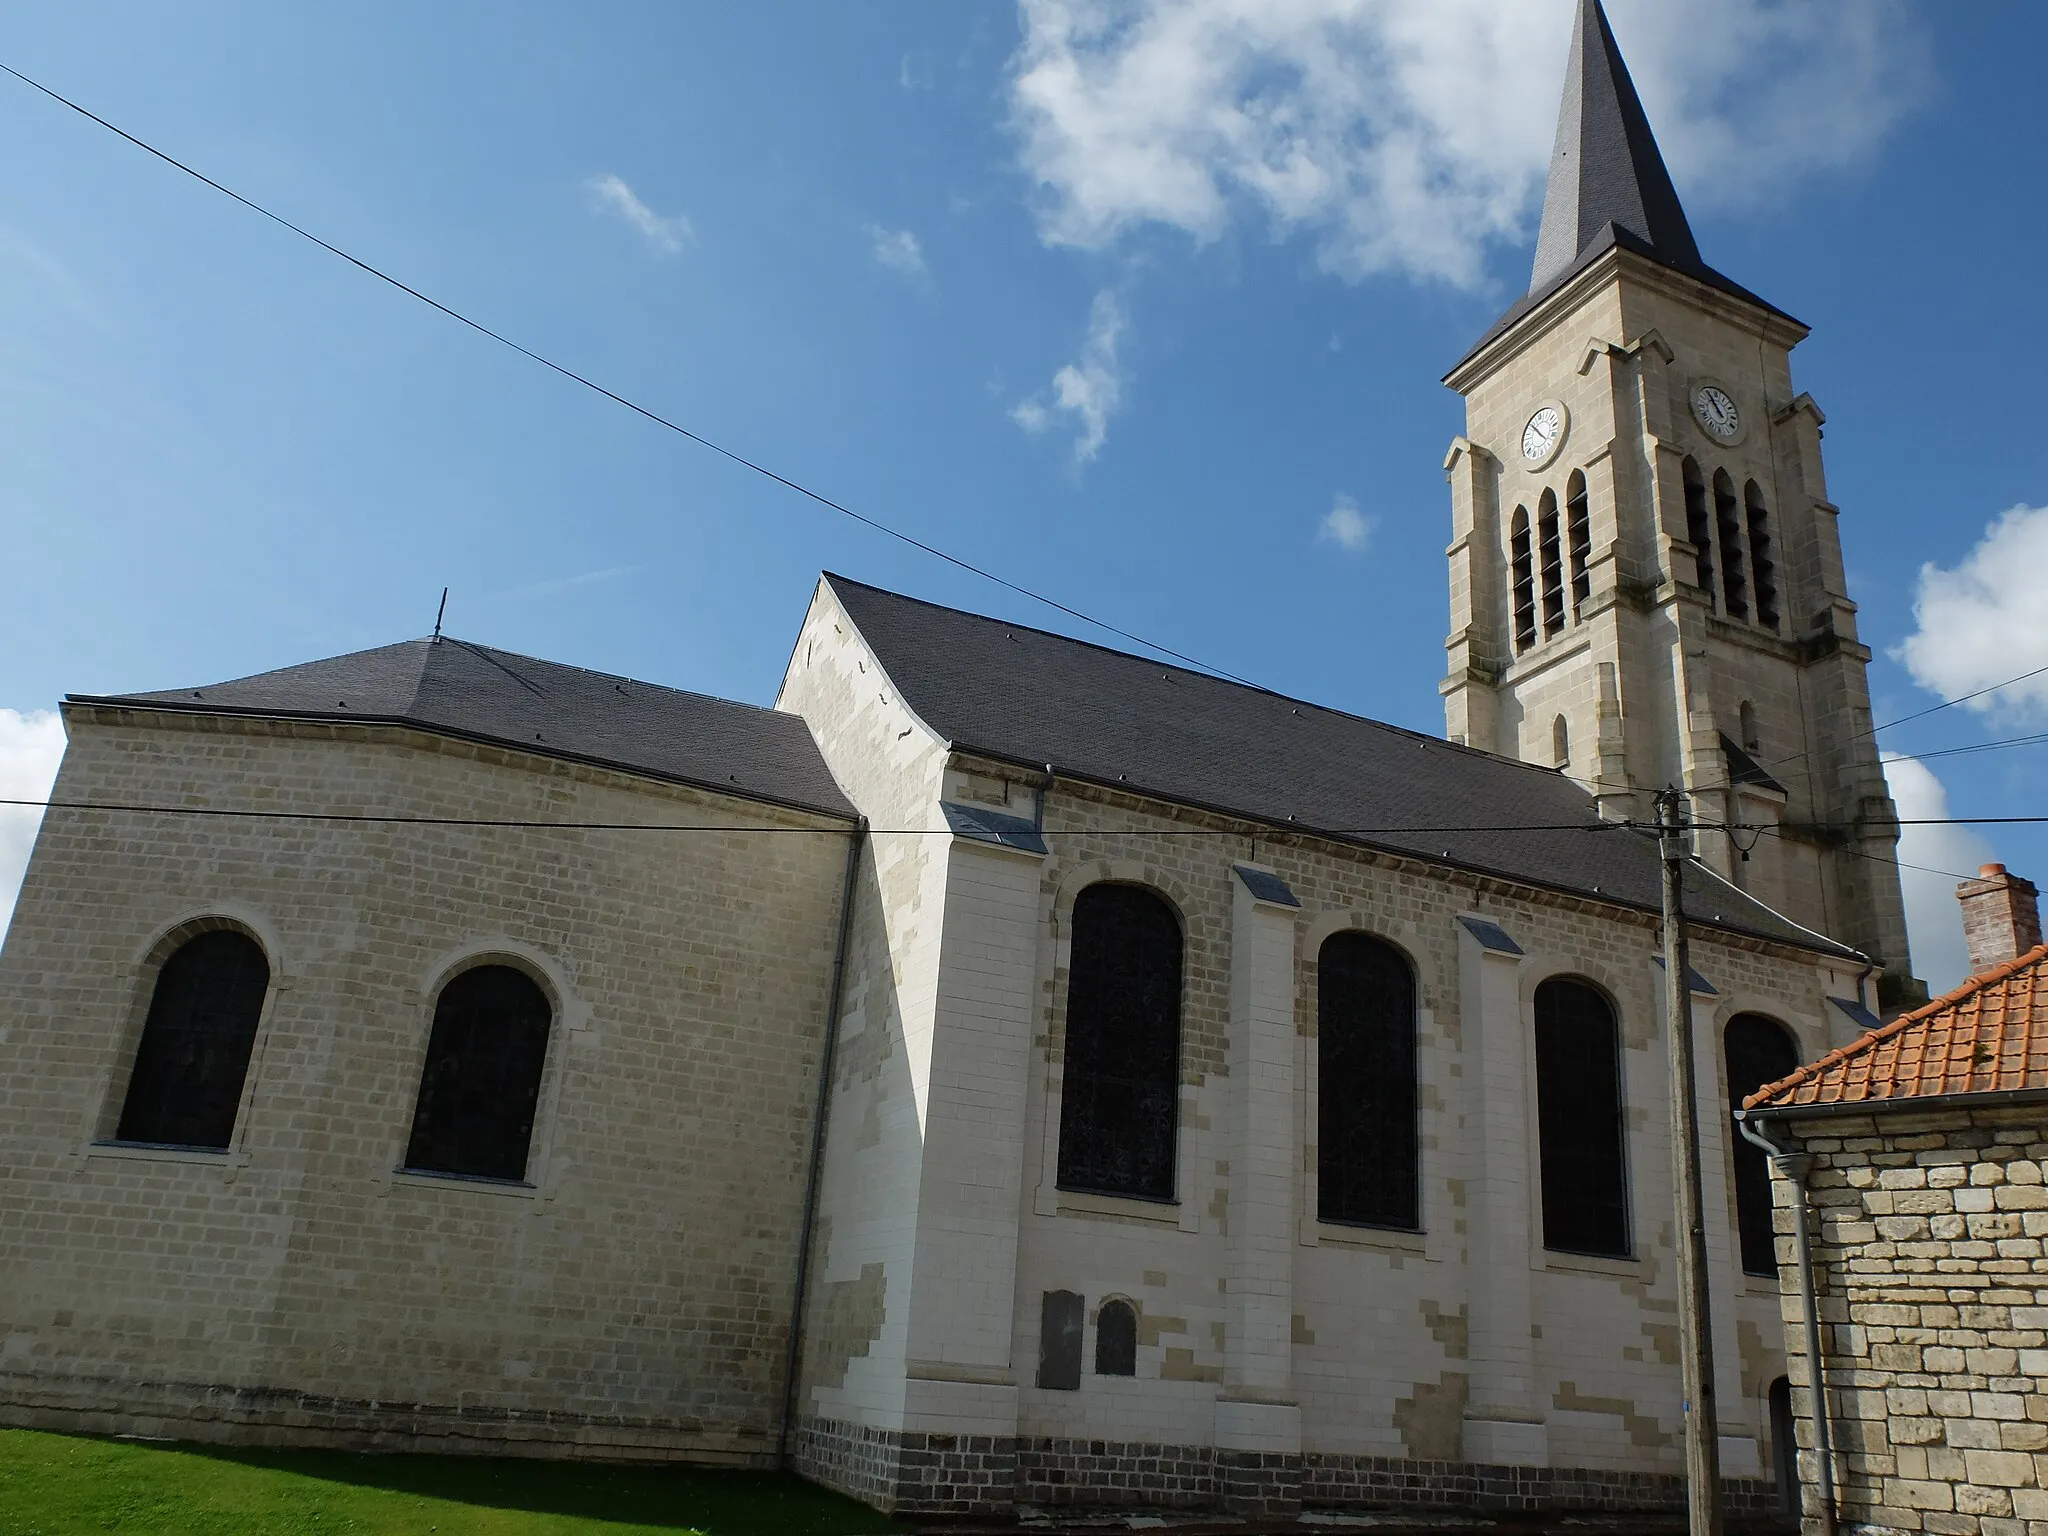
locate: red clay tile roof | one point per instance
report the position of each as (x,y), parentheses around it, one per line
(1991,1033)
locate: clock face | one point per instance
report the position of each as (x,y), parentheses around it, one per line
(1716,412)
(1540,435)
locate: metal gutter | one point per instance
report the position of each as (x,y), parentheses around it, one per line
(1994,1098)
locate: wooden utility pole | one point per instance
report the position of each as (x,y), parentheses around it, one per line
(1695,1323)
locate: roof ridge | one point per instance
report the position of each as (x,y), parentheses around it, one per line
(1870,1039)
(1208,677)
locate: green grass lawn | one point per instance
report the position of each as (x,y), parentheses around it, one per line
(59,1485)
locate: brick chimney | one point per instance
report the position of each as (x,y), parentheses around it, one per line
(2001,917)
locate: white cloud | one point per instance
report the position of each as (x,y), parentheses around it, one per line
(1934,922)
(1089,389)
(1345,526)
(1987,619)
(898,250)
(612,195)
(1409,137)
(30,745)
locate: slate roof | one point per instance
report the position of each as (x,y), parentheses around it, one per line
(1029,697)
(1608,185)
(1987,1036)
(454,688)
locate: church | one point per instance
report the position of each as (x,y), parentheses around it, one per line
(1007,1073)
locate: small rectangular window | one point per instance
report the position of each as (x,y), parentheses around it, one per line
(1059,1341)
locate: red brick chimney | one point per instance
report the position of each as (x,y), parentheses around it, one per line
(2001,917)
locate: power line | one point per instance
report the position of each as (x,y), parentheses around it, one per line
(618,399)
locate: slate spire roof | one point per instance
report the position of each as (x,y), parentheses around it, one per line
(1605,167)
(1013,694)
(453,688)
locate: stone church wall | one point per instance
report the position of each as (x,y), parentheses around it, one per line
(635,1300)
(1929,1262)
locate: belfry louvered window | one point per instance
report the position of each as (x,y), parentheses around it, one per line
(1578,525)
(1579,1120)
(1524,569)
(1366,1132)
(1763,567)
(1552,555)
(186,1084)
(1728,524)
(481,1086)
(1120,1085)
(1756,1051)
(1699,529)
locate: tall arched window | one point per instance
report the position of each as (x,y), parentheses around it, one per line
(1120,1090)
(194,1055)
(1728,523)
(1553,563)
(1116,1339)
(1699,528)
(1561,742)
(1579,1122)
(1757,1050)
(1578,524)
(1525,581)
(481,1085)
(1762,567)
(1365,1050)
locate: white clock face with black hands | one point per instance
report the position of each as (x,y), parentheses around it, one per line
(1540,435)
(1716,412)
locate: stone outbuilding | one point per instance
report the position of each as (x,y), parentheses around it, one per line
(1912,1213)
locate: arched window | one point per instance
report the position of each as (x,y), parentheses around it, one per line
(1746,718)
(1365,1052)
(1116,1339)
(1728,523)
(1579,536)
(1561,742)
(1699,529)
(1579,1124)
(1553,563)
(1525,582)
(1757,1050)
(194,1055)
(1784,1446)
(1120,1091)
(481,1085)
(1762,567)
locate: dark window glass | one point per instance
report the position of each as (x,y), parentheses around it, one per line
(1525,581)
(1553,564)
(1120,1092)
(194,1055)
(1757,1051)
(1762,565)
(1365,1048)
(1579,535)
(1579,1126)
(482,1080)
(1116,1339)
(1728,523)
(1699,529)
(1059,1341)
(1784,1446)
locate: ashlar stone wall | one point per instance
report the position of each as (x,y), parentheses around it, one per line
(1933,1290)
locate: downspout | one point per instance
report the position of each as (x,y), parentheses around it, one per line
(1795,1166)
(815,1175)
(1038,800)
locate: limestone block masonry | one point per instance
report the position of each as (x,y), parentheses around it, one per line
(1934,1302)
(630,1298)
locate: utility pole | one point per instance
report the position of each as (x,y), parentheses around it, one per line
(1695,1324)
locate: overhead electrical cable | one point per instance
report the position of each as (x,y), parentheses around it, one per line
(618,399)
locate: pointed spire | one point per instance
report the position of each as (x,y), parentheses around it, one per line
(1605,168)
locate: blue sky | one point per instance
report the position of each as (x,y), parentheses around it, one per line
(1122,301)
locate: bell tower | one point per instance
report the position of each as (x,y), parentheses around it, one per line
(1646,578)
